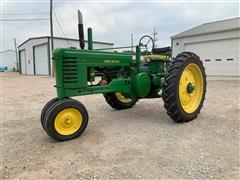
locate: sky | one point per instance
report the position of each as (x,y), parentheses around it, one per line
(112,21)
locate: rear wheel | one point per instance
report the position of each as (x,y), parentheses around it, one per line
(66,120)
(119,101)
(184,87)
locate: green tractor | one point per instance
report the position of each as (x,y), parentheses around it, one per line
(123,79)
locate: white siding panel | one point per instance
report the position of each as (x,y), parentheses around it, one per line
(28,46)
(176,49)
(213,37)
(41,59)
(60,43)
(220,58)
(23,61)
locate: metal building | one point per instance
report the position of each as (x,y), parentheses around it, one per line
(8,59)
(35,56)
(217,44)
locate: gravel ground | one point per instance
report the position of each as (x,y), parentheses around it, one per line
(139,143)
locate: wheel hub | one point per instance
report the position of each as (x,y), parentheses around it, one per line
(68,120)
(190,88)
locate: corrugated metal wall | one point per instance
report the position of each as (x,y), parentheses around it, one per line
(38,57)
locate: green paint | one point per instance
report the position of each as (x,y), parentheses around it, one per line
(141,84)
(90,39)
(76,71)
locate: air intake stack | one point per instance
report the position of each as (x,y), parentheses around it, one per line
(80,30)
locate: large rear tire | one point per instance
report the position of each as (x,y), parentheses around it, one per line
(119,101)
(184,87)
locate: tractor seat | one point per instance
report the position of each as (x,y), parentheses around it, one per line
(161,50)
(154,57)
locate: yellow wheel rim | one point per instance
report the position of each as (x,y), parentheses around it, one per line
(191,88)
(122,98)
(68,121)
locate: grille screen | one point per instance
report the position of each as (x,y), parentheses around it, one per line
(70,71)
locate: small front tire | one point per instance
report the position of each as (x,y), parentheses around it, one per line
(45,109)
(67,119)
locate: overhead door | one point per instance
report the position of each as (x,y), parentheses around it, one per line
(41,59)
(22,55)
(220,58)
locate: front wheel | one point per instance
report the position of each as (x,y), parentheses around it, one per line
(45,109)
(66,120)
(184,87)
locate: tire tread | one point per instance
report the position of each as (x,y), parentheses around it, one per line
(170,87)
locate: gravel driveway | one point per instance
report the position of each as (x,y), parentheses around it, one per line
(138,143)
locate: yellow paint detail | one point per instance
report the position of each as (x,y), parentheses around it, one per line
(111,61)
(115,61)
(190,101)
(154,57)
(122,98)
(68,121)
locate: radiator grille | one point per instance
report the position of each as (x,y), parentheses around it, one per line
(70,71)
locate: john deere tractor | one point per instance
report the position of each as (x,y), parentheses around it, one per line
(123,79)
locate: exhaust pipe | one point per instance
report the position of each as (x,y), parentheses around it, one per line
(80,30)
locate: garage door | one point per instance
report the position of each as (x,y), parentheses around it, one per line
(41,59)
(22,54)
(219,57)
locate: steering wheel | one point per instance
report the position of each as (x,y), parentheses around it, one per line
(146,45)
